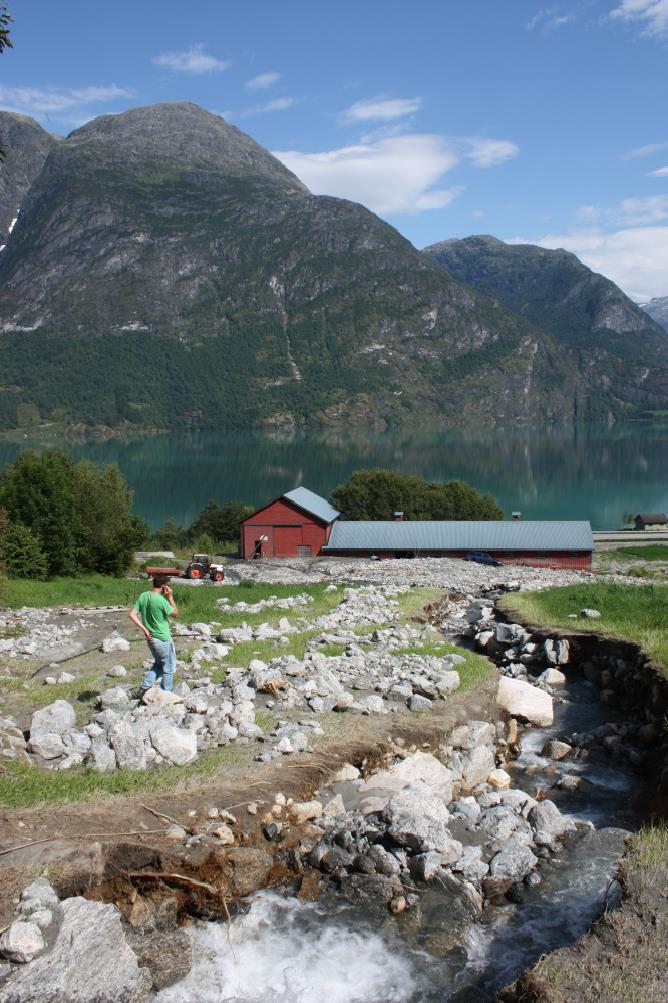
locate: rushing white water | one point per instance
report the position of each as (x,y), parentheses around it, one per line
(283,949)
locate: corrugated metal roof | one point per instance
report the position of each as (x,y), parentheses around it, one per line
(310,502)
(510,535)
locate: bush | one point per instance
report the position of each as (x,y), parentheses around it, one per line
(20,553)
(378,494)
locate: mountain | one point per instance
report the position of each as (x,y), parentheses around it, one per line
(166,270)
(26,146)
(617,348)
(657,309)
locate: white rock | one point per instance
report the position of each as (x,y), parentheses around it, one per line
(521,699)
(118,671)
(590,614)
(421,766)
(499,779)
(114,642)
(90,961)
(201,628)
(103,758)
(22,942)
(306,811)
(553,677)
(174,744)
(48,746)
(128,745)
(57,718)
(224,834)
(65,677)
(157,697)
(334,807)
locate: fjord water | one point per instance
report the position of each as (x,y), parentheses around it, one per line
(548,473)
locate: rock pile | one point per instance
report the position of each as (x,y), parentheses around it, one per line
(408,829)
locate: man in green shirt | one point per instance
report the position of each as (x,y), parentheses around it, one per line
(152,613)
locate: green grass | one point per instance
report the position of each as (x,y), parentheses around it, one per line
(242,654)
(644,552)
(194,602)
(23,786)
(634,612)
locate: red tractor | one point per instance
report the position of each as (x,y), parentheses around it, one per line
(202,566)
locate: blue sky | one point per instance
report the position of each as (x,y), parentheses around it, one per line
(531,121)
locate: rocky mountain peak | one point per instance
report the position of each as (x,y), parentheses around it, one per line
(26,146)
(182,134)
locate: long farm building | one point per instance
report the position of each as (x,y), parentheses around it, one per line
(302,524)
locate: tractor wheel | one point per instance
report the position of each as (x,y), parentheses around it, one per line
(217,576)
(196,571)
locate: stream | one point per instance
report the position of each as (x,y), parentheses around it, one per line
(280,948)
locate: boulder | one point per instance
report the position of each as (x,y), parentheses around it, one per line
(48,746)
(89,961)
(306,811)
(157,697)
(548,822)
(114,642)
(103,758)
(115,698)
(58,718)
(224,834)
(420,766)
(448,681)
(554,749)
(128,745)
(418,703)
(168,955)
(590,614)
(552,677)
(174,744)
(477,766)
(38,895)
(521,699)
(22,942)
(513,862)
(417,818)
(499,779)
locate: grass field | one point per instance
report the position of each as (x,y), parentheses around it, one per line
(643,552)
(634,612)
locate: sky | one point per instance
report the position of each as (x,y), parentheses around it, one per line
(535,122)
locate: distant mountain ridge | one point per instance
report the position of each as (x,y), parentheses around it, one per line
(26,146)
(616,345)
(167,271)
(657,308)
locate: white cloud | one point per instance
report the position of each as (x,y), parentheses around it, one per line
(192,60)
(489,152)
(636,258)
(393,175)
(548,19)
(644,151)
(276,104)
(37,100)
(380,108)
(629,212)
(652,15)
(660,172)
(262,82)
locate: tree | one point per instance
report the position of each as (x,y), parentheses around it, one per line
(220,522)
(20,553)
(38,492)
(378,494)
(5,21)
(106,534)
(78,514)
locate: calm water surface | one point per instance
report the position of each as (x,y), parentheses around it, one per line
(594,474)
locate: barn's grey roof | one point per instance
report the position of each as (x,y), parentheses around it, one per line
(429,536)
(312,503)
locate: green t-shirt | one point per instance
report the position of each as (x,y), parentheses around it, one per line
(155,612)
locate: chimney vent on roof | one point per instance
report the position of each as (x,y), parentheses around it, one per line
(398,516)
(517,516)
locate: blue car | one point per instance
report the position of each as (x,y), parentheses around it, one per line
(480,558)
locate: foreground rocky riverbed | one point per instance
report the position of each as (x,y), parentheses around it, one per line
(459,834)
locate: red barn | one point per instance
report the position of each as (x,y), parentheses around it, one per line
(298,524)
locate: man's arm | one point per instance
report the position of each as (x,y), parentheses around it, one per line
(136,619)
(169,596)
